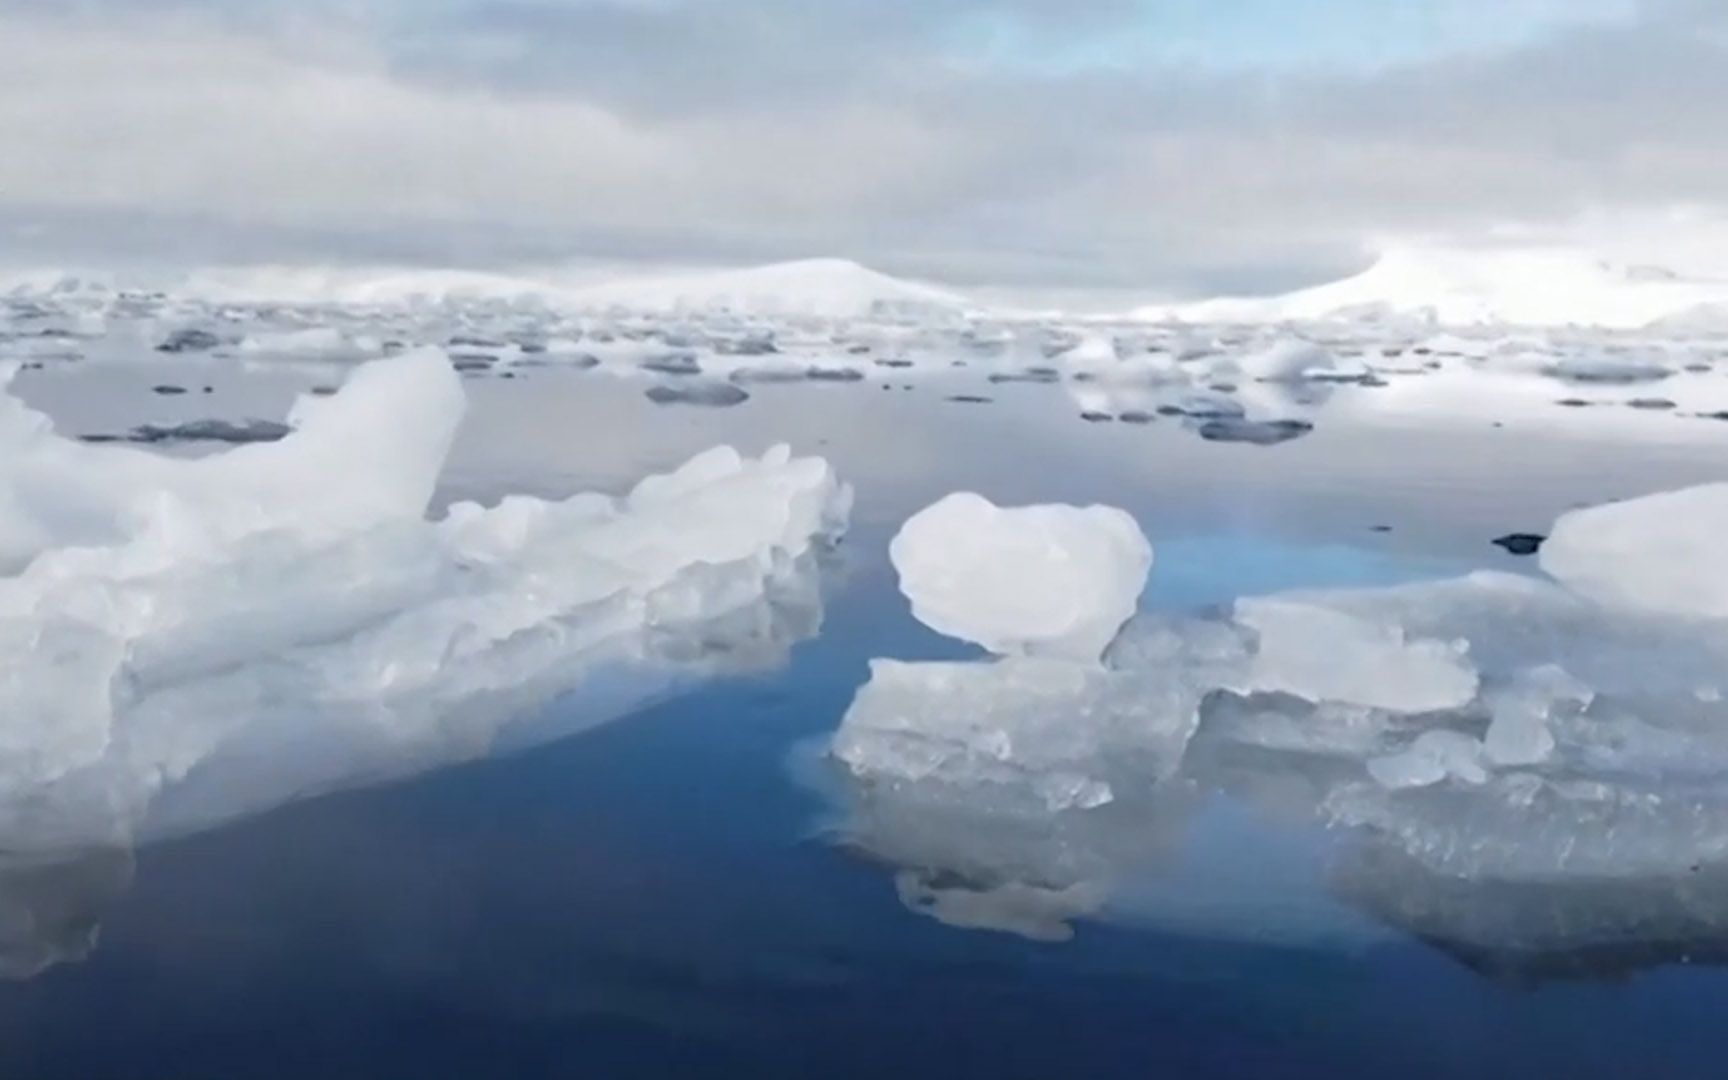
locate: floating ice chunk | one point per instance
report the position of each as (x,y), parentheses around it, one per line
(213,430)
(1051,732)
(1013,789)
(311,341)
(1322,654)
(714,395)
(1207,407)
(368,455)
(1661,553)
(1254,432)
(1612,370)
(189,339)
(1055,581)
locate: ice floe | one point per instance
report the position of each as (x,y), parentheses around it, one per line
(186,640)
(1558,739)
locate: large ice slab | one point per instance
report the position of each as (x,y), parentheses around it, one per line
(1054,581)
(186,639)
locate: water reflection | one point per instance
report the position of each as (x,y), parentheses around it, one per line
(51,906)
(1529,932)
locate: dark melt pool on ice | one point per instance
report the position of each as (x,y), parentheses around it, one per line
(661,897)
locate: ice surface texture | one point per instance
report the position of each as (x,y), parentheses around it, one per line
(181,640)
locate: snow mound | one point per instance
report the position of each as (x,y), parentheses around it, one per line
(1472,286)
(184,640)
(1055,581)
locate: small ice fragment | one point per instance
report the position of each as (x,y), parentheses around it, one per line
(710,394)
(1254,432)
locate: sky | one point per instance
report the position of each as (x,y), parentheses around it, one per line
(1177,147)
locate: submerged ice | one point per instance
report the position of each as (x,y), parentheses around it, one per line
(1563,734)
(182,640)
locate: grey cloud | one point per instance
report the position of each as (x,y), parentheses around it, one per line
(754,129)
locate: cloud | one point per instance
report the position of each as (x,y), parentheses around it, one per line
(929,136)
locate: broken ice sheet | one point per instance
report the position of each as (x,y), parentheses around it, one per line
(1499,732)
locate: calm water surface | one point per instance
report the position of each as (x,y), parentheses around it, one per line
(661,897)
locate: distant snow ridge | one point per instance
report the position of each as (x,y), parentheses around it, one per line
(1494,727)
(825,288)
(813,288)
(184,640)
(55,285)
(1458,286)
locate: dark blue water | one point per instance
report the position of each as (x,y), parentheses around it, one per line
(657,898)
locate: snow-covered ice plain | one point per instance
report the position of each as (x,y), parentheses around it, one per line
(1179,623)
